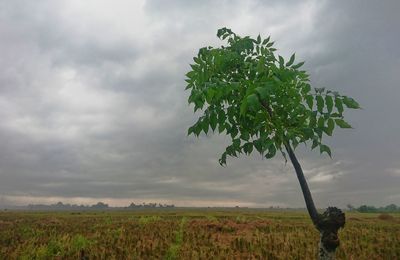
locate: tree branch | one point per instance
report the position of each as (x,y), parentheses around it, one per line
(265,104)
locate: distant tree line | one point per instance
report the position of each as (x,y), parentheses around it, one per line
(369,209)
(151,205)
(97,206)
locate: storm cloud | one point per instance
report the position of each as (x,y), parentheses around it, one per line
(93,107)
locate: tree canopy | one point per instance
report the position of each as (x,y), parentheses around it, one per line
(261,101)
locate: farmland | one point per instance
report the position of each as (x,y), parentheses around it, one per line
(189,234)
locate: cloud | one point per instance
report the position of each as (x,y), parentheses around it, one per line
(395,172)
(93,106)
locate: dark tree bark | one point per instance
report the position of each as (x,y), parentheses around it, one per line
(327,223)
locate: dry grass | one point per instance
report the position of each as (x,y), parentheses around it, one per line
(188,234)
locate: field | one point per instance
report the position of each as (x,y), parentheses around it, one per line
(189,234)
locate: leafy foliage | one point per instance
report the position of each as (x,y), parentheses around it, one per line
(262,102)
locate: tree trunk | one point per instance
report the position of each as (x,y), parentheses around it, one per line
(328,223)
(323,253)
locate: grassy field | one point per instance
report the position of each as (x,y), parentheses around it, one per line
(189,234)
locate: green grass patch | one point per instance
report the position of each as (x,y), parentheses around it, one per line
(173,251)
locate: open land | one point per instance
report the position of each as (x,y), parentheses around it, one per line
(189,234)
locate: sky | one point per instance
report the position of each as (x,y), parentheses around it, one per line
(93,107)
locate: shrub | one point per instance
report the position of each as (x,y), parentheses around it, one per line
(385,216)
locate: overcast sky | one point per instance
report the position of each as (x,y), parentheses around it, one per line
(93,107)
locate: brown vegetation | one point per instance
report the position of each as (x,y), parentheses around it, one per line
(192,234)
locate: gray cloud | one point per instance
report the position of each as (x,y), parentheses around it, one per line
(93,107)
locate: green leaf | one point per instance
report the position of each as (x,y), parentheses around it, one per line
(291,60)
(339,105)
(197,129)
(190,85)
(221,117)
(220,32)
(330,126)
(195,67)
(261,65)
(276,79)
(319,132)
(308,133)
(252,101)
(236,144)
(233,131)
(320,103)
(262,91)
(191,74)
(258,39)
(224,32)
(258,145)
(221,128)
(197,60)
(245,136)
(342,124)
(315,143)
(222,160)
(198,104)
(298,65)
(230,150)
(213,121)
(271,151)
(210,95)
(309,101)
(326,149)
(350,103)
(243,107)
(306,88)
(266,40)
(313,120)
(321,122)
(191,130)
(281,61)
(248,148)
(205,125)
(219,93)
(329,103)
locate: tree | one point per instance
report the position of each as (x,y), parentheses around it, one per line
(350,207)
(266,105)
(100,205)
(391,208)
(365,209)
